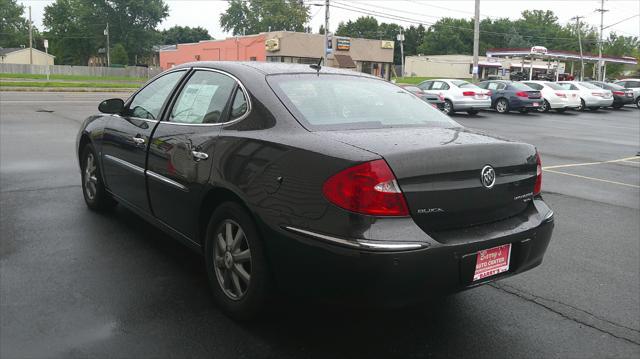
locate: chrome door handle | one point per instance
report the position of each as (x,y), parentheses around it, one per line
(198,156)
(138,140)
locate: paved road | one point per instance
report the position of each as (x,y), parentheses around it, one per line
(74,283)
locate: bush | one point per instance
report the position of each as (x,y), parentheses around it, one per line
(119,55)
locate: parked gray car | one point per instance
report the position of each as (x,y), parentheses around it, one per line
(632,84)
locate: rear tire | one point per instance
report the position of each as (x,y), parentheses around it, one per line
(617,106)
(544,107)
(95,194)
(236,262)
(502,105)
(448,107)
(472,112)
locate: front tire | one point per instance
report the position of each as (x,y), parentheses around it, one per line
(236,262)
(95,194)
(617,106)
(502,106)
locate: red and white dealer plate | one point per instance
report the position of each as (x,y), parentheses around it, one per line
(492,261)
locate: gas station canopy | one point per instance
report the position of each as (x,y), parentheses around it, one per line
(539,51)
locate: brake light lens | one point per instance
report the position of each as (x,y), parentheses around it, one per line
(369,188)
(537,188)
(597,94)
(522,94)
(489,93)
(468,93)
(619,93)
(560,94)
(441,97)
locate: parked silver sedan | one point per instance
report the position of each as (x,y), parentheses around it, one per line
(634,85)
(459,95)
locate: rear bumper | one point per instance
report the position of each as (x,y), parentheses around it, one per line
(517,103)
(564,103)
(622,100)
(472,105)
(306,265)
(597,102)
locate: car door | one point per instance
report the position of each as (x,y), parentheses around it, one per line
(183,145)
(126,139)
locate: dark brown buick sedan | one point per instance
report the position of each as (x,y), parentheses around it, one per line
(314,180)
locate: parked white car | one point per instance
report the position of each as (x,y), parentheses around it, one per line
(591,96)
(555,96)
(632,84)
(459,95)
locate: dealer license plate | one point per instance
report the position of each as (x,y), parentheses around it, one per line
(535,104)
(492,261)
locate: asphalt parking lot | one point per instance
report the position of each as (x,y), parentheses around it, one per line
(74,283)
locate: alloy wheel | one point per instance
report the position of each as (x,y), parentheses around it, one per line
(446,107)
(582,106)
(544,106)
(501,106)
(232,259)
(90,177)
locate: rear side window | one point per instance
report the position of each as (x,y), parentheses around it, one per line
(425,85)
(203,98)
(439,85)
(337,102)
(239,106)
(590,86)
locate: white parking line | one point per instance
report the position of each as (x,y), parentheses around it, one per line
(593,178)
(627,159)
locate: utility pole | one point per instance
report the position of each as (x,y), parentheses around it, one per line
(401,39)
(476,42)
(326,30)
(30,38)
(601,10)
(577,19)
(106,32)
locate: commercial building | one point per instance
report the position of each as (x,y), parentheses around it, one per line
(22,55)
(364,55)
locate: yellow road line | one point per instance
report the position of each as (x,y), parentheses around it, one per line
(593,163)
(594,179)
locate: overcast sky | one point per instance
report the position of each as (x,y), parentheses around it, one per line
(206,13)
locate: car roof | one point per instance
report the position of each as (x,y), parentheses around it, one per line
(270,68)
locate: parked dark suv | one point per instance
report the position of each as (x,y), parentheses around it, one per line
(509,95)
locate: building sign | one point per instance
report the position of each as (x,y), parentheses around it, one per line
(343,43)
(272,45)
(385,44)
(539,50)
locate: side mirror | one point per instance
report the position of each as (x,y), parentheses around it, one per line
(114,106)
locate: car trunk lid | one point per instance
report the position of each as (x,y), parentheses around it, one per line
(439,172)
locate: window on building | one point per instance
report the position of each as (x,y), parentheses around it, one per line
(253,58)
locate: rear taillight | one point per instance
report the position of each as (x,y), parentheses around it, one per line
(619,93)
(560,94)
(369,188)
(441,97)
(597,94)
(522,94)
(468,93)
(537,188)
(489,93)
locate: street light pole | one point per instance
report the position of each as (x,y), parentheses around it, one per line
(601,10)
(30,38)
(106,32)
(577,18)
(401,39)
(326,30)
(476,42)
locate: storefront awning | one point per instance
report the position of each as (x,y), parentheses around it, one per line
(345,61)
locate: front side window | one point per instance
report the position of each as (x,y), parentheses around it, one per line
(203,98)
(148,102)
(342,102)
(425,85)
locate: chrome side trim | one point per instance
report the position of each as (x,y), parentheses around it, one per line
(242,87)
(168,181)
(361,244)
(125,164)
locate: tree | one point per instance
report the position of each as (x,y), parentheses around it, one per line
(184,34)
(14,29)
(264,15)
(75,27)
(364,27)
(119,55)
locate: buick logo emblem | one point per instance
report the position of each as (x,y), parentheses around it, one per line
(488,176)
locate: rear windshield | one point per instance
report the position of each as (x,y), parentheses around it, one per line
(520,86)
(614,87)
(412,88)
(338,102)
(554,86)
(464,84)
(589,86)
